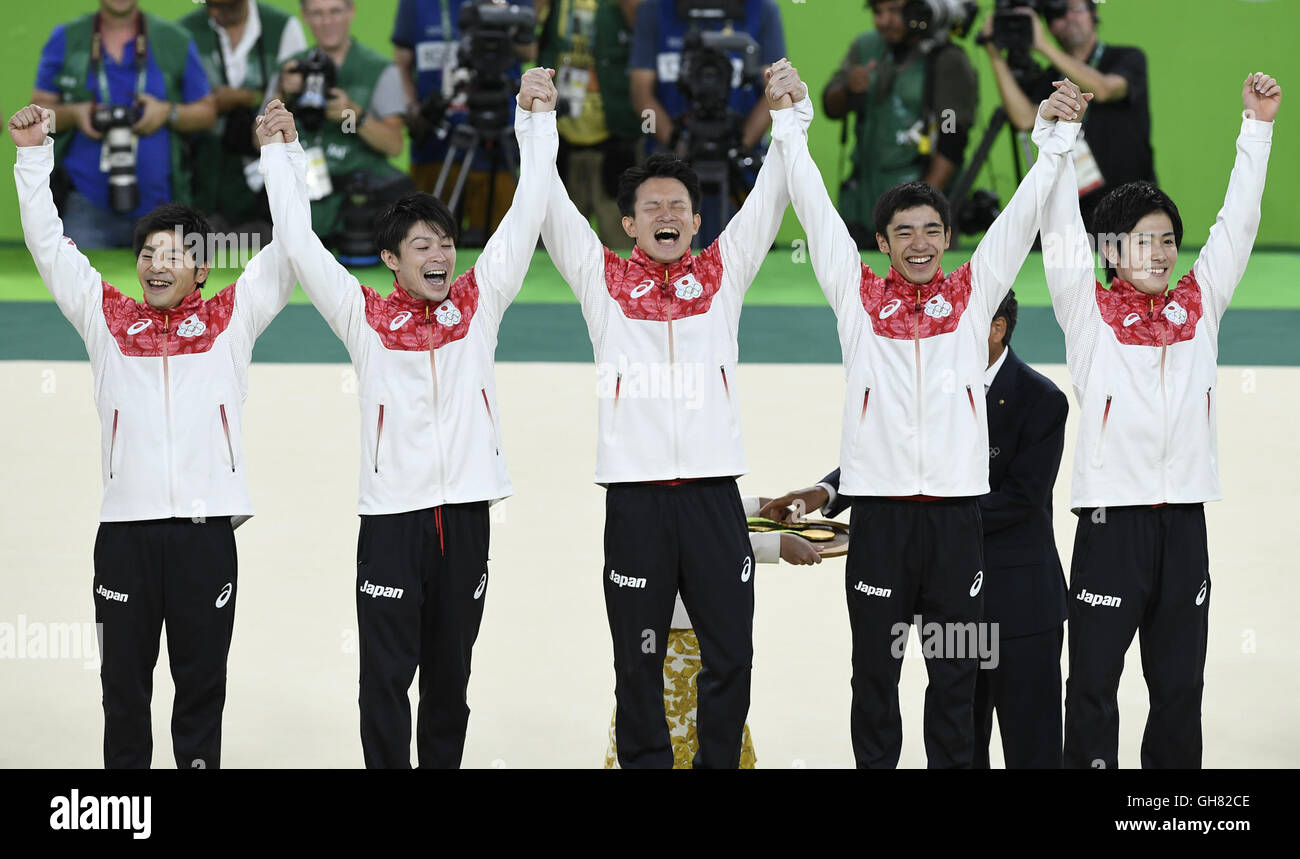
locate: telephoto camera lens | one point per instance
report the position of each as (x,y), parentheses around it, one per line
(118,156)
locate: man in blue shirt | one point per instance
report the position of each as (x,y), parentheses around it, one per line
(657,44)
(426,38)
(121,56)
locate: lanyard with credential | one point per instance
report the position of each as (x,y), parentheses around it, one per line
(104,94)
(1092,61)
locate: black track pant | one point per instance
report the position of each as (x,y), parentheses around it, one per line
(659,539)
(1144,570)
(908,559)
(182,573)
(1025,689)
(421,586)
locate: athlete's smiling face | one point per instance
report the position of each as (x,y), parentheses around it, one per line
(1147,255)
(663,220)
(425,263)
(167,270)
(915,241)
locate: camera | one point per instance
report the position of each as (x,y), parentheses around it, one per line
(935,19)
(707,72)
(117,155)
(319,76)
(489,32)
(1014,31)
(711,10)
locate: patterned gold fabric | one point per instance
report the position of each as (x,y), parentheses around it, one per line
(681,667)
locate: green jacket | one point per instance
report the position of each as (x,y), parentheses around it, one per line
(346,152)
(884,154)
(220,186)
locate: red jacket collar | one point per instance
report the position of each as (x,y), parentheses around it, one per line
(1130,296)
(190,305)
(894,280)
(404,300)
(675,270)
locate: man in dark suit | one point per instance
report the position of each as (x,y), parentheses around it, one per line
(1024,587)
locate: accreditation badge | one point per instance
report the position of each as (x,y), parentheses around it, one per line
(319,185)
(1086,172)
(572,84)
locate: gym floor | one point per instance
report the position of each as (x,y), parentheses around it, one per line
(542,689)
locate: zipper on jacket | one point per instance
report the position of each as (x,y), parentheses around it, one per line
(491,422)
(920,395)
(672,417)
(379,433)
(230,448)
(865,397)
(1207,408)
(167,408)
(433,370)
(1164,409)
(112,444)
(971,396)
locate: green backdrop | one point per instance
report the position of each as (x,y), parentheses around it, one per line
(1199,51)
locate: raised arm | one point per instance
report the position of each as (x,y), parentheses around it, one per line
(1068,260)
(1223,260)
(574,248)
(998,258)
(501,267)
(336,293)
(834,254)
(748,236)
(267,281)
(69,276)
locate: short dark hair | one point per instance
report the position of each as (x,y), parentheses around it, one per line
(909,195)
(663,165)
(1120,210)
(1008,310)
(393,225)
(174,217)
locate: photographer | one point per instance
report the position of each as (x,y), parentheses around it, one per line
(123,85)
(350,101)
(657,43)
(1114,147)
(588,42)
(426,38)
(898,88)
(242,45)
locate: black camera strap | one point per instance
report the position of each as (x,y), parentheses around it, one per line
(104,94)
(261,62)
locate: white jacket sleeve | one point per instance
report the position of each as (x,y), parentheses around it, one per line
(998,258)
(1223,260)
(748,236)
(336,293)
(501,267)
(1070,269)
(835,258)
(574,248)
(765,544)
(263,289)
(68,275)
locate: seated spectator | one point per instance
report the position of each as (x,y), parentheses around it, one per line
(120,57)
(242,45)
(900,89)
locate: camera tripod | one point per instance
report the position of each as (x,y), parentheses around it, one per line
(463,145)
